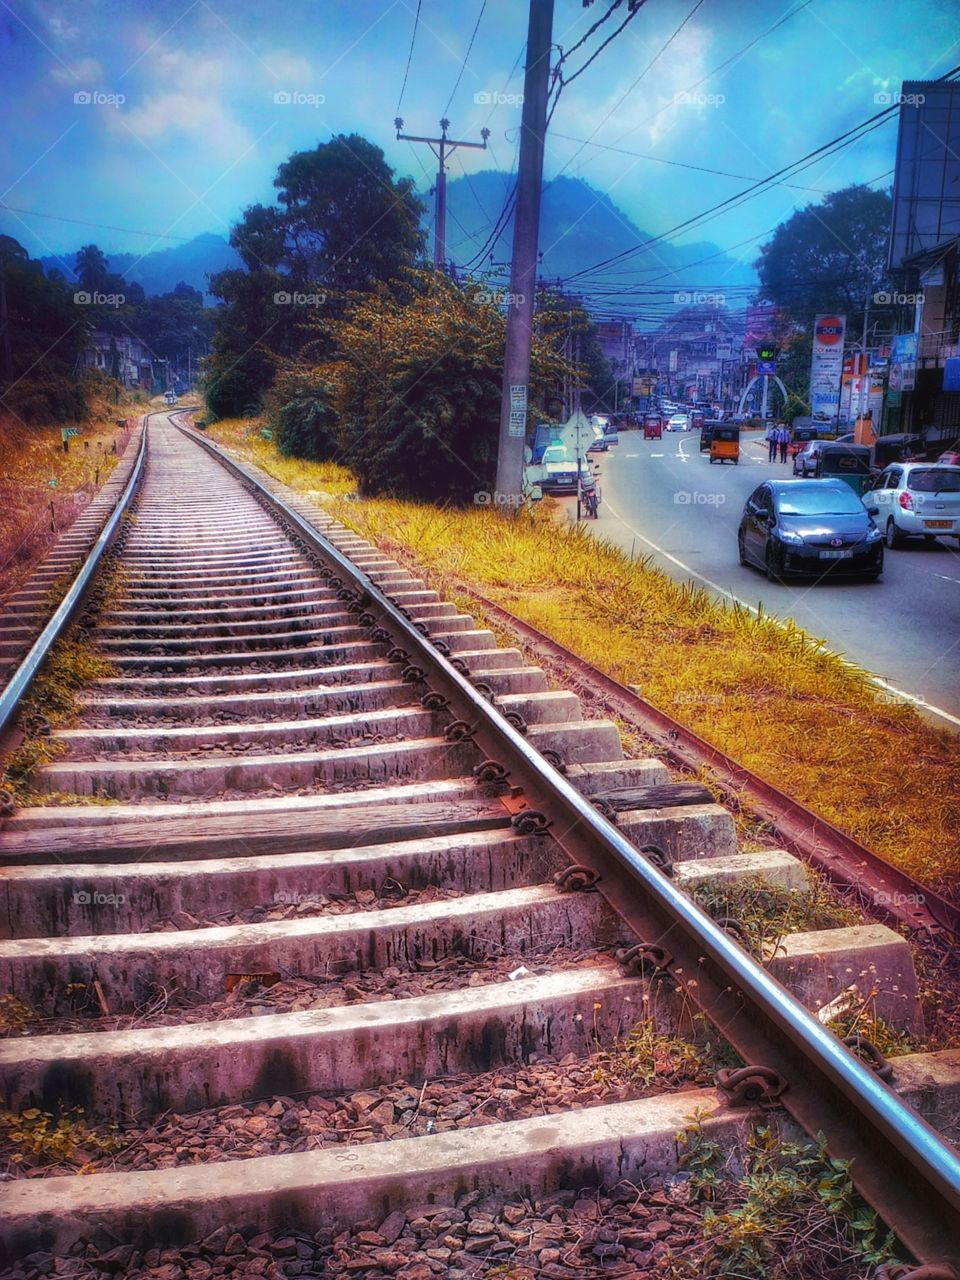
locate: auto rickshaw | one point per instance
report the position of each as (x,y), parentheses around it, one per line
(706,435)
(725,444)
(799,436)
(653,427)
(847,462)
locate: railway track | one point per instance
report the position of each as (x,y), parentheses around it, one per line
(329,904)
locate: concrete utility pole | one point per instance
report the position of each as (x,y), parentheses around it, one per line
(523,276)
(447,147)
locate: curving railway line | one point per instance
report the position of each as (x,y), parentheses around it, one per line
(314,847)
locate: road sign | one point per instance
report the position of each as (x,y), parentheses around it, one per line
(828,330)
(67,432)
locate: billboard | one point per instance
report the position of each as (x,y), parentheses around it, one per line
(903,362)
(926,185)
(826,366)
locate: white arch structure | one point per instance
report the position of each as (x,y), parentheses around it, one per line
(752,383)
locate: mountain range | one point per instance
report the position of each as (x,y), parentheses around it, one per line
(163,269)
(579,226)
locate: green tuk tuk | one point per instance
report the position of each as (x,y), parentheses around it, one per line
(847,462)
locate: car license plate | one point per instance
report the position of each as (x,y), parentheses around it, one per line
(835,555)
(938,524)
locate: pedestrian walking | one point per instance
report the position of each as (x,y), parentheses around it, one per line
(771,443)
(783,439)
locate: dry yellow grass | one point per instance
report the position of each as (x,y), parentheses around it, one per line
(35,473)
(242,436)
(767,694)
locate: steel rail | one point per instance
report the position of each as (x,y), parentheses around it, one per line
(882,889)
(20,681)
(898,1162)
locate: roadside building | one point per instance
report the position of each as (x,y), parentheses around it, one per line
(133,360)
(924,385)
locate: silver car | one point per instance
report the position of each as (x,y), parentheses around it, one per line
(916,500)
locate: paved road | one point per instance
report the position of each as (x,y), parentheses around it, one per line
(662,498)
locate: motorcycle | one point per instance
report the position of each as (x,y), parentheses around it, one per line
(591,501)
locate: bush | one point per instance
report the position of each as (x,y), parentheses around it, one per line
(46,395)
(233,385)
(302,414)
(418,390)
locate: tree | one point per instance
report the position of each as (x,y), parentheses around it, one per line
(91,265)
(342,225)
(186,293)
(418,389)
(44,336)
(347,222)
(828,257)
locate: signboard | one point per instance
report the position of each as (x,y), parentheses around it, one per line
(903,362)
(518,422)
(518,397)
(67,432)
(826,366)
(766,358)
(951,373)
(672,365)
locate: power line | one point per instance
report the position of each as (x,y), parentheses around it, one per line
(101,226)
(679,164)
(634,9)
(843,140)
(466,58)
(413,38)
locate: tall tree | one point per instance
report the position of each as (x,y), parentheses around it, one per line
(91,267)
(829,256)
(347,221)
(342,225)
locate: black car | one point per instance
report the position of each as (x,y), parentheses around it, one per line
(809,526)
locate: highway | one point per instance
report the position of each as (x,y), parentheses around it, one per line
(663,499)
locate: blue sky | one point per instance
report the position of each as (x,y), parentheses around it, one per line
(184,129)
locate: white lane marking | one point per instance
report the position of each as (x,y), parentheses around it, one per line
(715,586)
(653,455)
(946,579)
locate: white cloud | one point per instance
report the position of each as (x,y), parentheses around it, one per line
(203,119)
(87,71)
(293,70)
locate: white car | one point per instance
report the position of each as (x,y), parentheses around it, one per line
(916,500)
(678,422)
